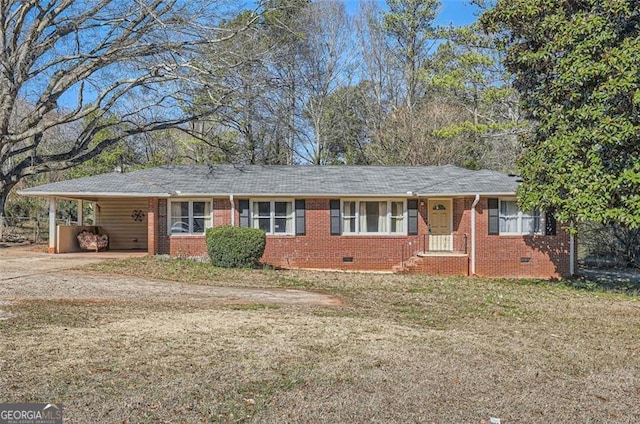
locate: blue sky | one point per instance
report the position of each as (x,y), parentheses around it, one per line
(457,13)
(452,12)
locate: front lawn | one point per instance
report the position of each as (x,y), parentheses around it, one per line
(399,349)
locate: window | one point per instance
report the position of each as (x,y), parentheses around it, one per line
(262,216)
(514,221)
(397,217)
(349,217)
(189,217)
(373,217)
(273,217)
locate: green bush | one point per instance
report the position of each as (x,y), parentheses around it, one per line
(235,247)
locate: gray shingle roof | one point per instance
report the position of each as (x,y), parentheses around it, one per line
(305,180)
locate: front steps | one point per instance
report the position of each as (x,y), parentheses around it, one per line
(435,263)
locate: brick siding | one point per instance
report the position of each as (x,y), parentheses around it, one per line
(496,256)
(439,265)
(525,256)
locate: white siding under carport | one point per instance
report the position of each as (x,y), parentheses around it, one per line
(125,221)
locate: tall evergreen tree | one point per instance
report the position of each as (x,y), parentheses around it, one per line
(577,68)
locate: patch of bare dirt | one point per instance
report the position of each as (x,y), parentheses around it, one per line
(26,275)
(121,345)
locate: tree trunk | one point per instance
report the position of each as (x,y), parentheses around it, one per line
(4,193)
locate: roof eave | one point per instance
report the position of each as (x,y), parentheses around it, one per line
(87,194)
(472,193)
(341,195)
(264,195)
(299,195)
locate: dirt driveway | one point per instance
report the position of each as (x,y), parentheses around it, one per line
(25,274)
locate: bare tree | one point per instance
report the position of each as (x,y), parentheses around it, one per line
(326,65)
(379,65)
(108,69)
(239,94)
(410,137)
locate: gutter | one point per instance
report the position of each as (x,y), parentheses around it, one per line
(342,195)
(472,271)
(73,195)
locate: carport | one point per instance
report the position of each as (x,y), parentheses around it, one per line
(124,220)
(120,210)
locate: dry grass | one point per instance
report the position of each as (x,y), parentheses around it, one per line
(400,349)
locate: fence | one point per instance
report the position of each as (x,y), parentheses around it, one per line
(23,229)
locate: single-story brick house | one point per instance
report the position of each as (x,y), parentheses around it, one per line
(434,219)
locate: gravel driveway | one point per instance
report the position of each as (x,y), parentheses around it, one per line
(28,275)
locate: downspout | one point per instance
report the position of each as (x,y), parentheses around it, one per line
(473,235)
(572,251)
(233,210)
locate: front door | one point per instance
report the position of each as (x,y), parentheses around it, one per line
(440,236)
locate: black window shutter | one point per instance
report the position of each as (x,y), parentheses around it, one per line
(334,206)
(494,217)
(300,214)
(412,210)
(243,206)
(549,224)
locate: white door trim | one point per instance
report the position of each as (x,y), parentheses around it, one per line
(448,245)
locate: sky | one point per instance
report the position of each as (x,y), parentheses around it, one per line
(457,13)
(452,12)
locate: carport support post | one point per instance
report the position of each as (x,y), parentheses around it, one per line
(52,225)
(80,211)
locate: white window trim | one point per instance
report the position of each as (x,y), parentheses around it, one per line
(191,200)
(357,232)
(519,220)
(272,216)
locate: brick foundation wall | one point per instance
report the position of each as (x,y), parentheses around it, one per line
(441,265)
(187,246)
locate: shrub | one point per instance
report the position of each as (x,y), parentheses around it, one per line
(235,247)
